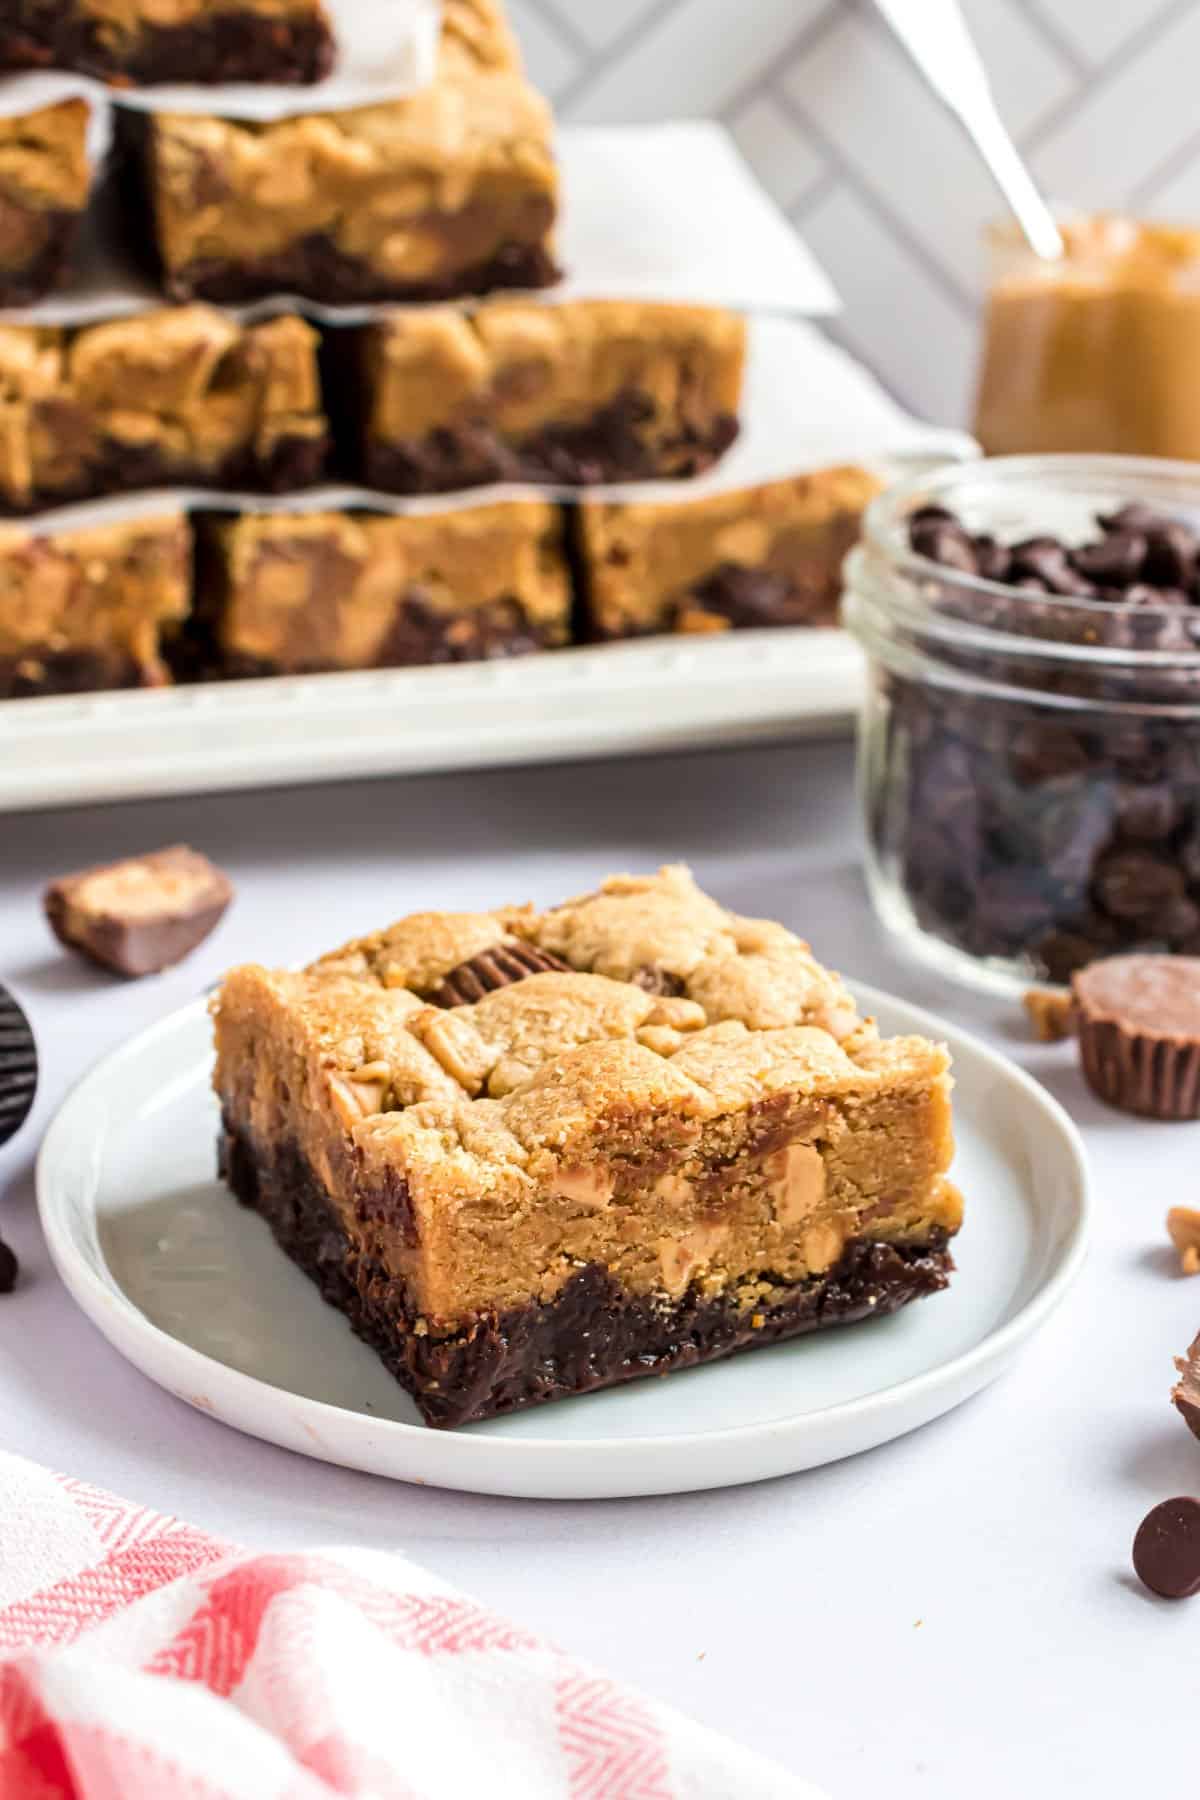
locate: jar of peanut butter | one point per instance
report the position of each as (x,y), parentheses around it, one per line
(1099,352)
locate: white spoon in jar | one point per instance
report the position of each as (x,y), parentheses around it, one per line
(935,35)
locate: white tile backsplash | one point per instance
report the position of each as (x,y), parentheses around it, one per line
(1100,93)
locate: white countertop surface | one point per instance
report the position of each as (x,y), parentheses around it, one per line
(952,1615)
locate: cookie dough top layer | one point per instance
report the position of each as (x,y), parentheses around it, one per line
(522,365)
(690,1081)
(44,161)
(367,178)
(663,992)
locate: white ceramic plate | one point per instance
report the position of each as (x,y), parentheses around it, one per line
(193,1291)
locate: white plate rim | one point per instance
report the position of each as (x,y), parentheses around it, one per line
(485,1459)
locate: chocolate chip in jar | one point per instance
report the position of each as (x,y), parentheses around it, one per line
(141,915)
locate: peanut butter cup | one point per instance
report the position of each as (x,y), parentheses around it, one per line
(18,1067)
(1139,1033)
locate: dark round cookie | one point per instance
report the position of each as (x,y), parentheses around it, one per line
(1139,1033)
(1166,1550)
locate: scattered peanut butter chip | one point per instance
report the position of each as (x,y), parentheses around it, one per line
(1051,1014)
(1185,1395)
(140,915)
(1183,1227)
(1166,1550)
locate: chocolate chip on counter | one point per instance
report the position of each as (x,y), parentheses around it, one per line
(1132,884)
(1166,1550)
(9,1268)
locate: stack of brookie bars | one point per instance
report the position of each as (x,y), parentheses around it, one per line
(444,197)
(529,1154)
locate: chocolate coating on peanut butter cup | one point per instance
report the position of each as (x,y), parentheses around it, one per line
(494,968)
(142,915)
(18,1067)
(1139,1033)
(1185,1395)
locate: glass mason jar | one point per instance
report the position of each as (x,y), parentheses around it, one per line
(1099,352)
(1029,764)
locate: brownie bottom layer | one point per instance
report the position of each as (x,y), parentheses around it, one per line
(23,284)
(610,446)
(291,464)
(593,1334)
(316,269)
(225,46)
(67,672)
(748,599)
(419,635)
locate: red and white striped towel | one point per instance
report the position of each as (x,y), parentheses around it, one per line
(142,1660)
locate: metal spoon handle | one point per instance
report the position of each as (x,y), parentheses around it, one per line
(935,35)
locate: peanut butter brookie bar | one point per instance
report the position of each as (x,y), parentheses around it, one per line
(529,1154)
(181,395)
(769,555)
(450,191)
(45,182)
(585,391)
(95,608)
(296,593)
(131,42)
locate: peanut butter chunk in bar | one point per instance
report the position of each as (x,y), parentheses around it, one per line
(585,391)
(680,1143)
(141,915)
